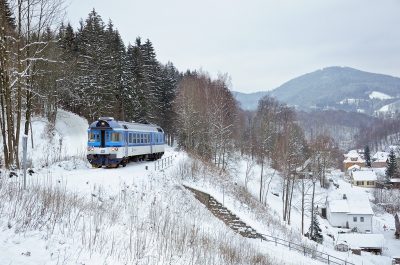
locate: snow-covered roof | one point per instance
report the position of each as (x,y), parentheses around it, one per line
(359,204)
(395,180)
(364,175)
(363,240)
(339,206)
(380,156)
(354,204)
(353,156)
(380,95)
(395,148)
(354,167)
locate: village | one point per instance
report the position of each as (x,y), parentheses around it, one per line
(361,213)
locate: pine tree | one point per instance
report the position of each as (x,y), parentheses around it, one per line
(137,87)
(93,61)
(153,77)
(367,156)
(7,14)
(115,70)
(316,235)
(67,82)
(168,88)
(391,169)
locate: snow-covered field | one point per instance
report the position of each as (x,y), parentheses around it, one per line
(74,214)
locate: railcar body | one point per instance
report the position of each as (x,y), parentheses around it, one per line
(112,143)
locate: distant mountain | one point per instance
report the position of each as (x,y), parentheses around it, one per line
(248,101)
(335,88)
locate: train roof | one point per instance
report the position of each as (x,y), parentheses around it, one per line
(108,123)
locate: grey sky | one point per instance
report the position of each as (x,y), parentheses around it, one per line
(261,44)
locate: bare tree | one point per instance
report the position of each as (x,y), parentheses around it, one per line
(22,46)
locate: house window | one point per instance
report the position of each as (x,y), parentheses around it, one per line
(360,183)
(370,183)
(361,219)
(354,219)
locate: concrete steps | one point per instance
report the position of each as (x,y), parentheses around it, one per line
(224,214)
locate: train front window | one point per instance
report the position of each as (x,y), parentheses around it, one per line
(116,137)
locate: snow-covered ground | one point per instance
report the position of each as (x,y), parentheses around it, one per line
(146,213)
(379,95)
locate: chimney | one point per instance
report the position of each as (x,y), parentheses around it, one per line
(344,197)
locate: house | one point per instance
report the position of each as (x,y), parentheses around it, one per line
(304,171)
(342,246)
(380,159)
(366,242)
(353,211)
(354,157)
(395,183)
(364,178)
(396,150)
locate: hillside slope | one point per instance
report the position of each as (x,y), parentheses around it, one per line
(335,88)
(335,84)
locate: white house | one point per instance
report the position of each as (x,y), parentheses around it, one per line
(354,210)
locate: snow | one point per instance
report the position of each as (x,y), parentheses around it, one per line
(364,176)
(379,95)
(152,193)
(339,206)
(380,156)
(359,203)
(363,240)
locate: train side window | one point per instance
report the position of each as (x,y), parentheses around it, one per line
(91,136)
(130,138)
(116,137)
(141,138)
(148,138)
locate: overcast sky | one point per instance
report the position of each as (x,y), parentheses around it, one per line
(260,44)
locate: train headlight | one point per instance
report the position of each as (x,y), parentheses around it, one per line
(114,149)
(90,148)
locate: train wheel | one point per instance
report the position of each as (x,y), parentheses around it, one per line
(124,162)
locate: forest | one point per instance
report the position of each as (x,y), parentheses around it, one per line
(46,64)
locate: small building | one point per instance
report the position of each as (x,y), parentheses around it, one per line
(353,211)
(342,246)
(364,178)
(380,159)
(366,242)
(354,157)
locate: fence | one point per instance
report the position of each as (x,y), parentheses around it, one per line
(163,163)
(324,257)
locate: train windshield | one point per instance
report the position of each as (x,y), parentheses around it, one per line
(93,137)
(116,137)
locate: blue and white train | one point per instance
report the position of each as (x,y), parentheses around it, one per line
(113,143)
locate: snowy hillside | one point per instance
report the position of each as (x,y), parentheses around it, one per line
(74,214)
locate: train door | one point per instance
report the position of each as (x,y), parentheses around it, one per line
(151,143)
(103,139)
(126,143)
